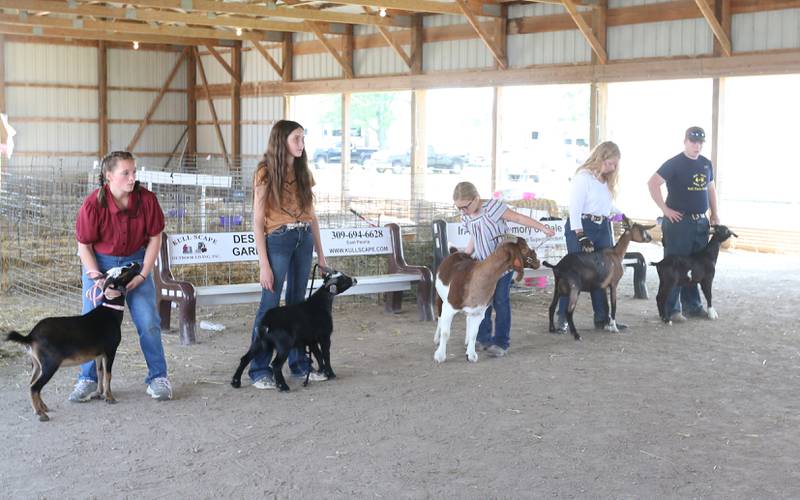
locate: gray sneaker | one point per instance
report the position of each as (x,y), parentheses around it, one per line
(480,346)
(264,382)
(677,318)
(83,391)
(496,351)
(312,377)
(160,389)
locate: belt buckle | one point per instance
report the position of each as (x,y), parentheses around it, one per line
(698,216)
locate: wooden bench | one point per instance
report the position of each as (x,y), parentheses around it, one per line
(441,249)
(399,277)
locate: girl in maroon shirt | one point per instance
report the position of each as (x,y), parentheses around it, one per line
(119,223)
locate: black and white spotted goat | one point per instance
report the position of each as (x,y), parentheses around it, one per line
(307,324)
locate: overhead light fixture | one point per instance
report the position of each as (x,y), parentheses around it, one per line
(135,45)
(382,12)
(238,31)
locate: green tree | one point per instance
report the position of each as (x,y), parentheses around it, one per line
(373,111)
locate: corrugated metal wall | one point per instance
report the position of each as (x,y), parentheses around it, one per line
(207,141)
(318,65)
(453,55)
(557,47)
(266,111)
(778,29)
(381,60)
(59,65)
(255,68)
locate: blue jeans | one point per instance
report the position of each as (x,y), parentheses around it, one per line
(289,253)
(600,234)
(684,238)
(501,303)
(142,305)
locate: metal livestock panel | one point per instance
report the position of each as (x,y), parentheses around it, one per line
(52,102)
(777,29)
(154,139)
(135,105)
(215,73)
(207,139)
(55,137)
(40,63)
(144,68)
(558,47)
(255,68)
(690,37)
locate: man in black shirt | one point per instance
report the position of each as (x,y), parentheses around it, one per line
(690,194)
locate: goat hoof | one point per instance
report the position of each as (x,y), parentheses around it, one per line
(439,358)
(712,313)
(236,384)
(43,417)
(330,375)
(577,338)
(473,358)
(111,401)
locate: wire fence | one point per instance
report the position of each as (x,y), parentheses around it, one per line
(39,203)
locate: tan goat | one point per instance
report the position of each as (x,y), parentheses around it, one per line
(465,284)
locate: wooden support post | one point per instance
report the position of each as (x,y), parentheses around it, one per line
(102,99)
(345,163)
(598,100)
(419,146)
(416,44)
(501,32)
(3,135)
(722,11)
(347,50)
(236,111)
(287,58)
(190,158)
(497,136)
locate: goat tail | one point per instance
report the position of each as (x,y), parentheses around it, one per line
(16,337)
(547,264)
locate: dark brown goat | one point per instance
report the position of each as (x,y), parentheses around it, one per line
(583,272)
(465,284)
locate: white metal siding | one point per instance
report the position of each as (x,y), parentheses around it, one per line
(316,67)
(207,139)
(691,37)
(222,106)
(254,136)
(456,54)
(41,63)
(777,29)
(630,3)
(55,102)
(215,73)
(154,139)
(134,105)
(256,69)
(559,47)
(55,137)
(143,68)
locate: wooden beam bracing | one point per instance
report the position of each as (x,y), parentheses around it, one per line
(348,70)
(497,53)
(398,49)
(271,60)
(156,102)
(584,27)
(211,108)
(719,32)
(225,65)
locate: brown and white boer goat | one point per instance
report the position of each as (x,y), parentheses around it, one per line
(465,284)
(577,272)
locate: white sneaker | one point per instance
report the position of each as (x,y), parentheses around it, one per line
(264,382)
(160,389)
(317,377)
(83,391)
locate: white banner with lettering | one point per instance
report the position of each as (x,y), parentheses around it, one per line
(202,248)
(544,246)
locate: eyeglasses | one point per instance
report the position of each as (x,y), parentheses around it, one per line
(465,207)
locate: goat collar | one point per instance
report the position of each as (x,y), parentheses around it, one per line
(114,306)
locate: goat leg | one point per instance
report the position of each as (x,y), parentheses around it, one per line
(612,324)
(473,324)
(705,285)
(277,369)
(326,358)
(552,309)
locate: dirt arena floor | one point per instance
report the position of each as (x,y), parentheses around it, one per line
(707,409)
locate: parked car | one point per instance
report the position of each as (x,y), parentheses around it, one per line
(386,161)
(358,155)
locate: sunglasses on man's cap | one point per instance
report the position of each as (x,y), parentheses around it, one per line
(696,135)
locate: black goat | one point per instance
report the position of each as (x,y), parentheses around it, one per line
(682,270)
(73,340)
(583,272)
(307,324)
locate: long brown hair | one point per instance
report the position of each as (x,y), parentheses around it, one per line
(108,164)
(594,164)
(272,172)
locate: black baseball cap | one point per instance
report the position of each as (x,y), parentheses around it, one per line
(696,134)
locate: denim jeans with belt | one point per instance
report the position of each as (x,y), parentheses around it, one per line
(600,235)
(289,252)
(684,237)
(142,305)
(501,303)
